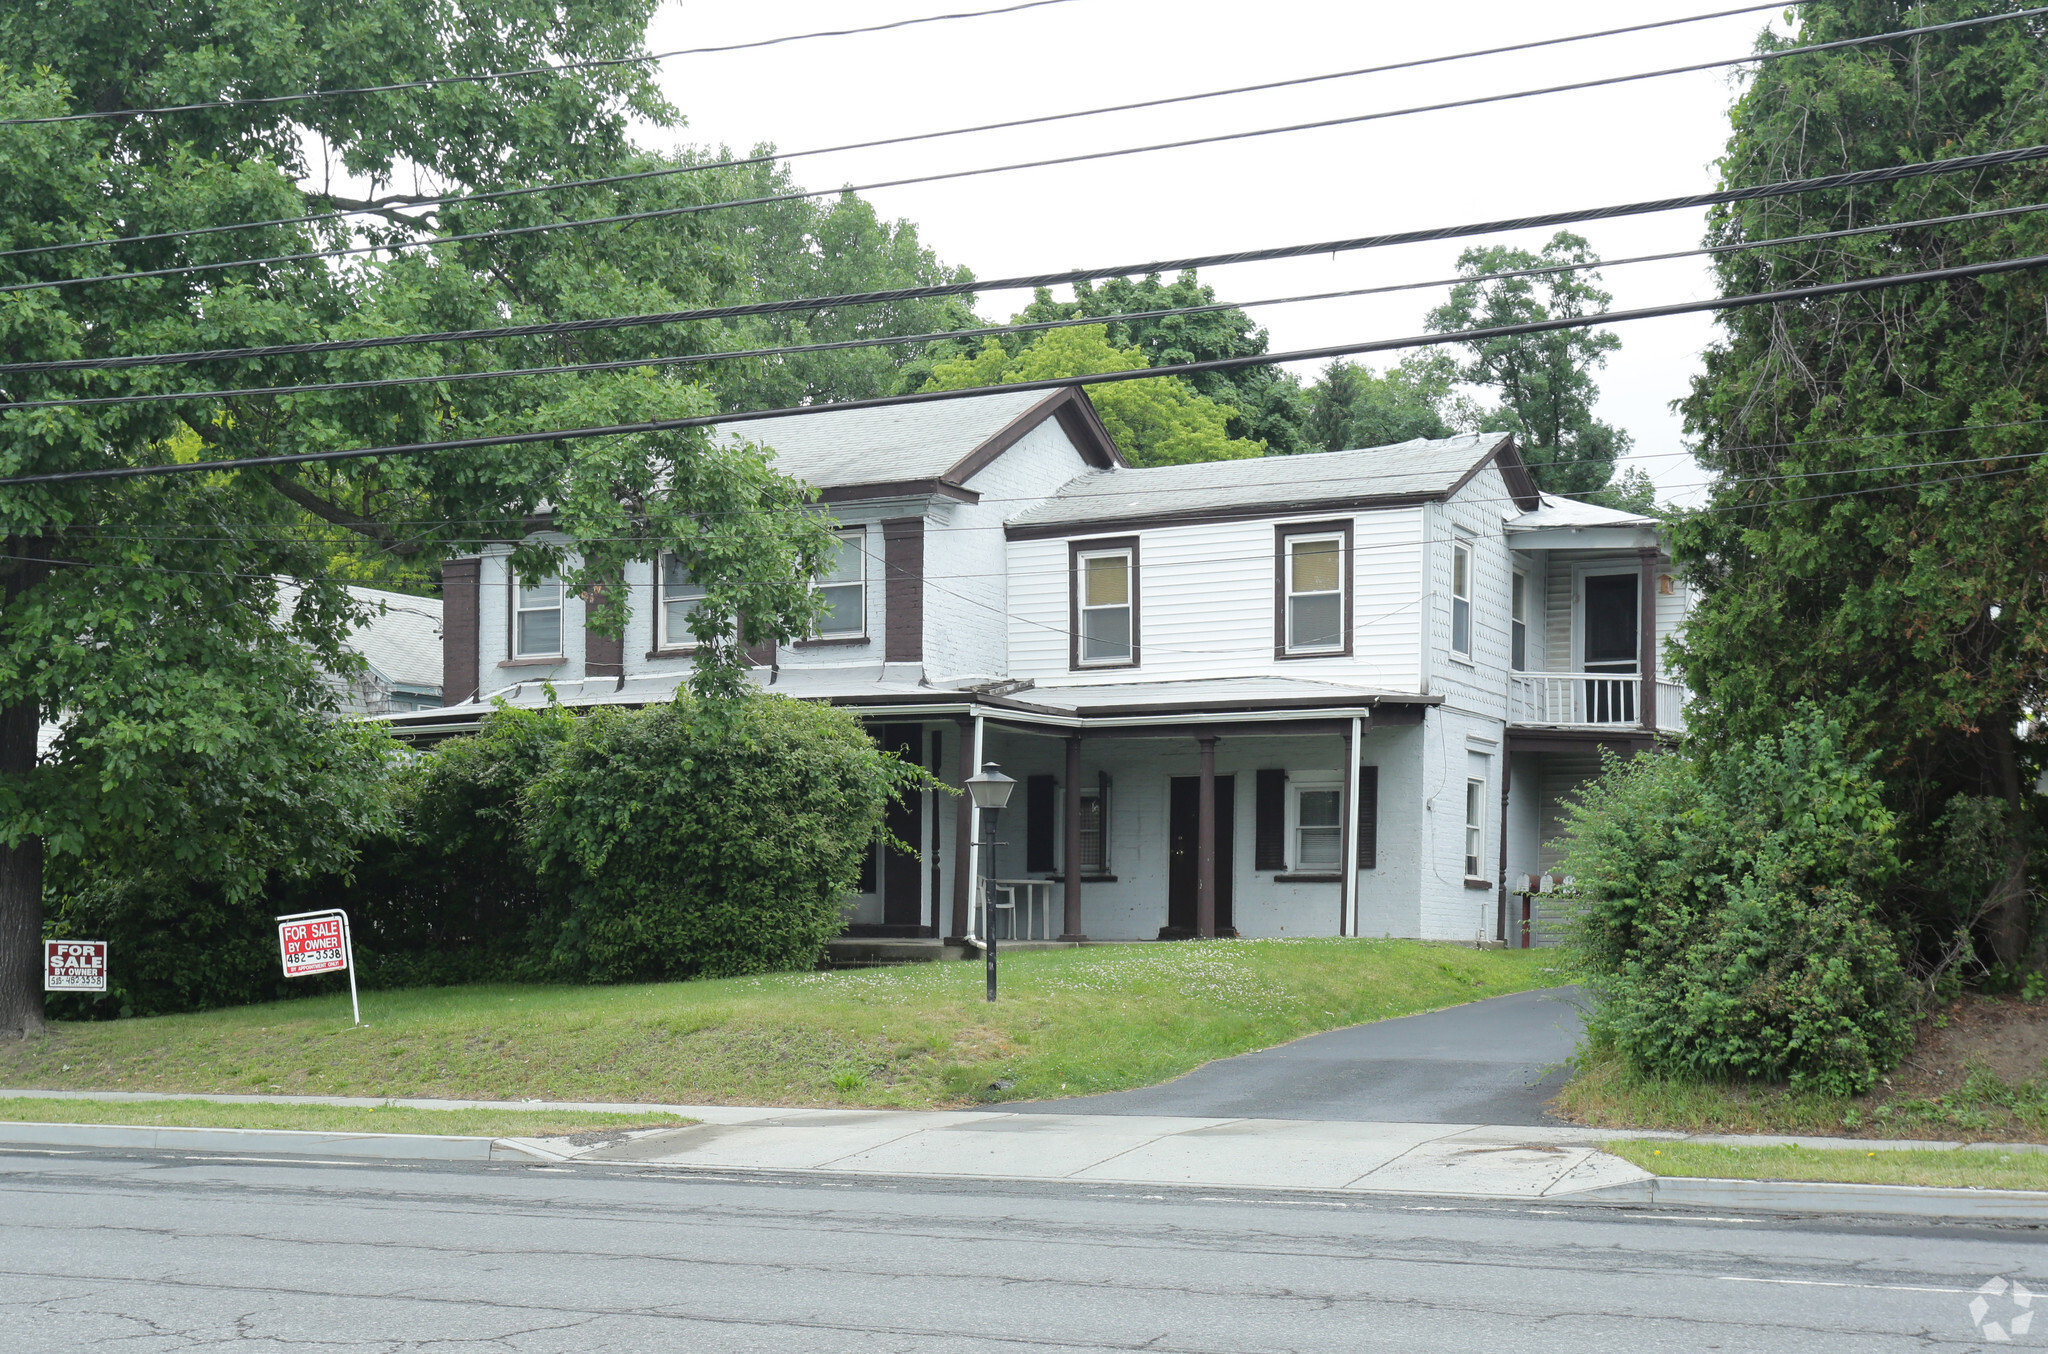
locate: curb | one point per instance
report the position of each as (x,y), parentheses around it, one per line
(1818,1196)
(282,1141)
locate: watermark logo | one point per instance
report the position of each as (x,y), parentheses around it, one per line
(2002,1309)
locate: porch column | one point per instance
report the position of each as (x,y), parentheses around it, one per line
(963,834)
(1071,841)
(1347,903)
(1646,638)
(1205,842)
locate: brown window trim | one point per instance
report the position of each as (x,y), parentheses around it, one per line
(555,662)
(689,651)
(1474,883)
(1282,532)
(1075,549)
(1337,878)
(836,641)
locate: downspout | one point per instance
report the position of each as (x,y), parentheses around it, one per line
(1348,923)
(1507,773)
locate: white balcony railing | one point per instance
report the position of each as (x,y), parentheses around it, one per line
(1595,700)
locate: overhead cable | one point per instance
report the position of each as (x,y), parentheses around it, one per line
(555,69)
(461,199)
(663,213)
(996,330)
(1780,297)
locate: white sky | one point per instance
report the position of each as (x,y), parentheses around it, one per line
(1639,141)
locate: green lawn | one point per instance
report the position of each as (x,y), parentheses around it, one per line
(1971,1168)
(1070,1022)
(1981,1106)
(326,1118)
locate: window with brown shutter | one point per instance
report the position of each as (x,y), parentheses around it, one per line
(1368,817)
(1269,849)
(1040,823)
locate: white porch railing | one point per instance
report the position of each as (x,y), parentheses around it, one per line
(1595,700)
(1018,909)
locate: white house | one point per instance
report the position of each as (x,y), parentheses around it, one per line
(1336,694)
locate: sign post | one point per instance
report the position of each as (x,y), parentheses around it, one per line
(74,966)
(318,942)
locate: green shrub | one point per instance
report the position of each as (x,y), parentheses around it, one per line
(704,840)
(1725,913)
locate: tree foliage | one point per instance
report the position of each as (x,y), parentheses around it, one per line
(1545,381)
(1352,405)
(1155,421)
(1875,530)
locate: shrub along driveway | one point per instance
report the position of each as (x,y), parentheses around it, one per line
(1487,1062)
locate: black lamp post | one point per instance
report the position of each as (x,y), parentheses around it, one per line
(991,791)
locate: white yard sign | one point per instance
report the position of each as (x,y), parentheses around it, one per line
(318,942)
(74,966)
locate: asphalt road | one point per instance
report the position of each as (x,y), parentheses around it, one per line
(1497,1061)
(162,1252)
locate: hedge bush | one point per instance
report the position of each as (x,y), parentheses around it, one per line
(1725,913)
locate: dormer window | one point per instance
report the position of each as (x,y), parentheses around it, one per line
(1312,590)
(537,618)
(1105,603)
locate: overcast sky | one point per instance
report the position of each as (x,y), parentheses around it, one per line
(1644,140)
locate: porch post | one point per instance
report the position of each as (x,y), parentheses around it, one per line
(1646,638)
(1071,841)
(1347,916)
(963,833)
(1205,842)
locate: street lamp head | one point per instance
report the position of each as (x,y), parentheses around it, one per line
(991,789)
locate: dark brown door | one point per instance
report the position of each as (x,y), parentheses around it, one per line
(902,880)
(1612,614)
(1183,865)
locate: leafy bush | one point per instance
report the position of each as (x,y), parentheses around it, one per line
(1726,913)
(702,840)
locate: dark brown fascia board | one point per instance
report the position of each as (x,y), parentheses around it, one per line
(856,493)
(1506,454)
(1036,531)
(1077,419)
(1578,740)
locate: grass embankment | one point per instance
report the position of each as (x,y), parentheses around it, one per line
(328,1118)
(1965,1168)
(1070,1022)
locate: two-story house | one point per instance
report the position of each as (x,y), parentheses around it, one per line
(1334,694)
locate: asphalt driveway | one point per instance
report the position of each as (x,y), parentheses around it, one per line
(1488,1062)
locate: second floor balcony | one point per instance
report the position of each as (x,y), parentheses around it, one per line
(1592,700)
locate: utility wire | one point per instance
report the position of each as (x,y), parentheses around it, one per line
(1850,179)
(595,64)
(450,200)
(1854,286)
(990,331)
(663,213)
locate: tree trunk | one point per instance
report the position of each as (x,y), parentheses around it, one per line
(21,866)
(2005,918)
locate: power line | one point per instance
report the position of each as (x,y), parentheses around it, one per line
(1175,369)
(595,64)
(447,200)
(663,213)
(1849,179)
(989,331)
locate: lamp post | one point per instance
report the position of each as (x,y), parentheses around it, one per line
(991,791)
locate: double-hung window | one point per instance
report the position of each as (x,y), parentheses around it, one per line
(537,618)
(679,600)
(1094,843)
(1318,828)
(844,586)
(1105,606)
(1315,594)
(1519,622)
(1475,825)
(1461,598)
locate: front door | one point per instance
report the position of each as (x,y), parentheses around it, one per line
(1183,865)
(1612,612)
(902,879)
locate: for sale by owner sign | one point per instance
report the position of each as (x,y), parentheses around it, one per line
(313,945)
(74,966)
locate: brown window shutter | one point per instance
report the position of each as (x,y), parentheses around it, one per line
(461,584)
(1368,817)
(869,883)
(1269,849)
(1038,823)
(903,590)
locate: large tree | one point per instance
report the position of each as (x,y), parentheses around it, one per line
(1545,381)
(1351,405)
(1879,516)
(145,614)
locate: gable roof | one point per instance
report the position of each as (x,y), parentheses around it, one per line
(1406,472)
(934,447)
(1554,511)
